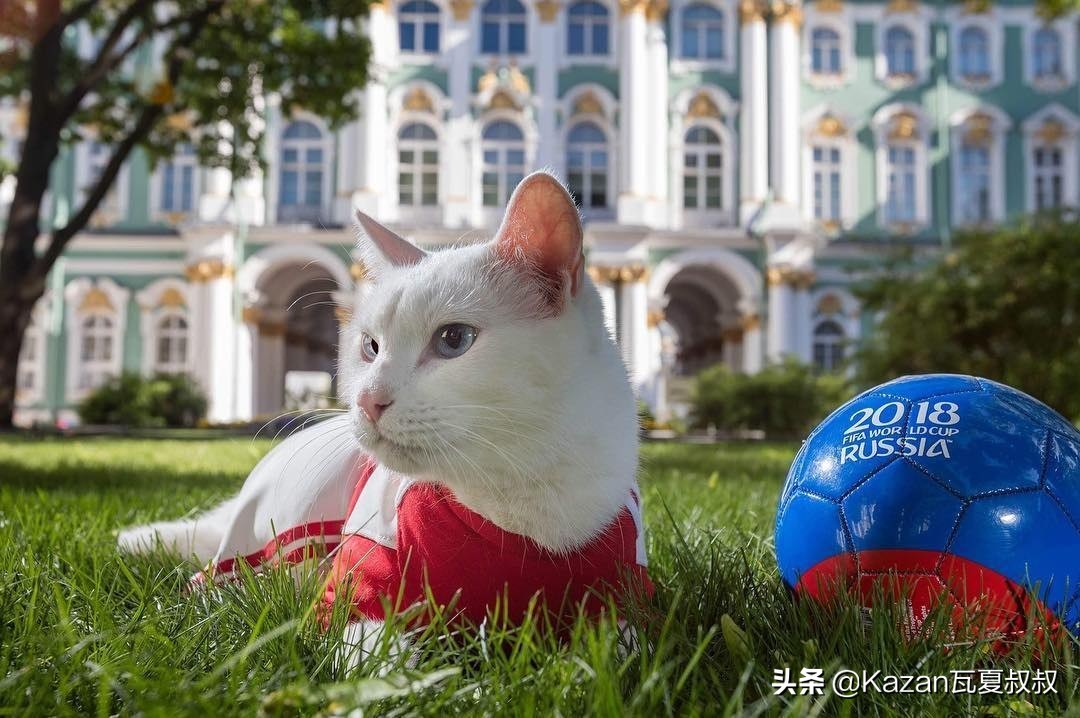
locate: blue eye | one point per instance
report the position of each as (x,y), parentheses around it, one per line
(453,340)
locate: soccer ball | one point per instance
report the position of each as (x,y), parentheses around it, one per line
(939,488)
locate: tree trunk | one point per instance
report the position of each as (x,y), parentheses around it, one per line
(15,313)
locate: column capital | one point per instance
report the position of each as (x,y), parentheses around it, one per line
(625,274)
(461,9)
(752,11)
(732,334)
(548,10)
(652,9)
(654,317)
(790,276)
(750,322)
(782,12)
(207,270)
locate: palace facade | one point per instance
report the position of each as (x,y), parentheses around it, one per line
(739,165)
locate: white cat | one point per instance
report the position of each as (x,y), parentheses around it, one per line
(480,377)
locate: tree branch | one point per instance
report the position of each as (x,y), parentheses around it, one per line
(149,115)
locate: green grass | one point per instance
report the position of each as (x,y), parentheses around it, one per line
(84,632)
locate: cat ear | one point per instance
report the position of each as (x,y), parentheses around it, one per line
(380,246)
(542,233)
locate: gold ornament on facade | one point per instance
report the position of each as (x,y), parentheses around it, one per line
(831,126)
(656,10)
(417,100)
(829,304)
(519,81)
(790,276)
(96,300)
(547,10)
(979,130)
(487,81)
(905,126)
(654,317)
(208,270)
(703,106)
(588,103)
(751,11)
(461,9)
(502,100)
(750,322)
(786,12)
(357,271)
(976,7)
(1051,132)
(250,314)
(829,6)
(171,298)
(383,5)
(899,6)
(629,7)
(627,274)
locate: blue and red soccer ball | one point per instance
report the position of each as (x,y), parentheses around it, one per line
(939,488)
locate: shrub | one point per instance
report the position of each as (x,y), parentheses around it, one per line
(783,400)
(172,400)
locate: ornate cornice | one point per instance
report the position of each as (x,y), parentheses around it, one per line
(789,276)
(829,6)
(897,6)
(750,322)
(207,270)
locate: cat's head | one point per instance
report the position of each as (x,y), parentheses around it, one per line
(484,363)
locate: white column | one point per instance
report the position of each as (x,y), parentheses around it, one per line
(784,68)
(754,111)
(634,324)
(789,313)
(374,140)
(348,166)
(751,343)
(457,181)
(247,339)
(549,16)
(656,40)
(634,113)
(211,275)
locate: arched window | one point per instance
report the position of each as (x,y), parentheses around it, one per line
(974,56)
(96,351)
(1046,59)
(178,181)
(503,154)
(418,166)
(703,170)
(899,52)
(587,165)
(587,28)
(828,345)
(502,27)
(172,345)
(900,184)
(825,51)
(974,189)
(702,33)
(418,27)
(302,158)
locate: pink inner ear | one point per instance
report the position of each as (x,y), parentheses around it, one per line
(542,230)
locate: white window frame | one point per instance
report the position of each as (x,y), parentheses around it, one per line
(610,146)
(564,34)
(992,27)
(171,334)
(421,57)
(882,124)
(74,294)
(848,167)
(1066,30)
(681,122)
(837,343)
(727,63)
(157,187)
(491,216)
(152,311)
(917,26)
(418,146)
(325,142)
(1068,145)
(959,127)
(523,58)
(113,208)
(839,22)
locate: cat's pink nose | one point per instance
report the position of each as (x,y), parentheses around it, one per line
(373,404)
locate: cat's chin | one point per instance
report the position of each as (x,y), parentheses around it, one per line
(393,456)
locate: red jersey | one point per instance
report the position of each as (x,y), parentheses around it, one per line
(404,536)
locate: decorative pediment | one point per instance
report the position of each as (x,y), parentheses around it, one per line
(904,126)
(701,105)
(503,88)
(588,104)
(979,129)
(418,100)
(96,299)
(1052,131)
(172,298)
(829,304)
(831,126)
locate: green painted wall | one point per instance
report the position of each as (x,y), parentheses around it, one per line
(606,77)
